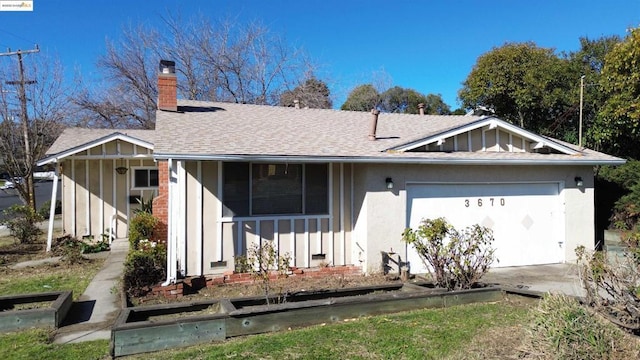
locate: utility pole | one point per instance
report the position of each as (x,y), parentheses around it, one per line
(24,117)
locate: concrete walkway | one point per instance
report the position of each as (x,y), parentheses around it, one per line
(93,314)
(553,278)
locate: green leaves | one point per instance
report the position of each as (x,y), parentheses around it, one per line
(455,259)
(617,129)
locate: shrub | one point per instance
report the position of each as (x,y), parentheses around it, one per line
(141,228)
(611,285)
(21,220)
(45,209)
(561,328)
(455,259)
(262,260)
(144,268)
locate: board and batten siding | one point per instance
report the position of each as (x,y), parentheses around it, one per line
(213,241)
(94,197)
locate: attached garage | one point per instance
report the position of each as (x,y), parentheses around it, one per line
(527,218)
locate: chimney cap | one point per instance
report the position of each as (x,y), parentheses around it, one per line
(167,67)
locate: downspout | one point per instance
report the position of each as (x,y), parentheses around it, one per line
(171,274)
(52,209)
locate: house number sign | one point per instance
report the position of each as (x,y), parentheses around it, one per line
(486,202)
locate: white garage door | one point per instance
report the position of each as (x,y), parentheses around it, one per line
(527,219)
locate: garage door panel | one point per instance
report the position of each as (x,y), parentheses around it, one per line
(524,218)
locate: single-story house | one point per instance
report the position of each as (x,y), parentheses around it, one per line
(328,187)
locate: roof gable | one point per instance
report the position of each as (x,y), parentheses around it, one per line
(93,142)
(488,134)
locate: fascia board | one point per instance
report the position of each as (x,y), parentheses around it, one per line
(490,121)
(83,147)
(387,160)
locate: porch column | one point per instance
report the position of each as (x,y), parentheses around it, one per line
(52,209)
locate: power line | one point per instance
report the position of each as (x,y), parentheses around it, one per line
(17,36)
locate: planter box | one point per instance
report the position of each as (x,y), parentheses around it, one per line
(159,327)
(52,315)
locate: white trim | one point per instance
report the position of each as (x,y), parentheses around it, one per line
(78,149)
(132,176)
(352,209)
(219,208)
(101,210)
(342,233)
(171,251)
(181,212)
(292,241)
(88,199)
(114,195)
(407,158)
(52,209)
(331,214)
(199,214)
(73,198)
(492,123)
(307,244)
(228,219)
(127,190)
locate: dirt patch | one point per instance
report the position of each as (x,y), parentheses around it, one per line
(278,287)
(13,253)
(30,306)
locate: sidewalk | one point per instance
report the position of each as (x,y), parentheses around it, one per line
(93,314)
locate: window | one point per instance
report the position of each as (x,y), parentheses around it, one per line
(274,189)
(144,178)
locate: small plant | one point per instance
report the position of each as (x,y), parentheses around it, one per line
(455,259)
(22,220)
(144,268)
(262,261)
(45,209)
(145,206)
(141,228)
(561,328)
(241,264)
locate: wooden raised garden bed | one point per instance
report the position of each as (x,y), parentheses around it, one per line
(34,310)
(158,327)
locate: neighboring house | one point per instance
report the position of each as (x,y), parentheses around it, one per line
(328,187)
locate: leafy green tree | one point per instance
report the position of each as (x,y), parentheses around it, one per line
(617,126)
(313,93)
(588,62)
(524,84)
(362,98)
(394,100)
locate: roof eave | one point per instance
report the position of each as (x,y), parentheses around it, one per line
(82,147)
(388,160)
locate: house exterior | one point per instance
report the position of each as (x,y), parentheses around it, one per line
(330,188)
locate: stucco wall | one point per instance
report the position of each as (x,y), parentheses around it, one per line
(381,213)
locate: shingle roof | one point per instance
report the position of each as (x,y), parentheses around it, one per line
(212,129)
(226,128)
(74,137)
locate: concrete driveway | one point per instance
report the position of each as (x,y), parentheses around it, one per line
(554,278)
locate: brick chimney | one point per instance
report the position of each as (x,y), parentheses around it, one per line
(421,108)
(167,86)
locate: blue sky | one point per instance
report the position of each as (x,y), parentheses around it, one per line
(429,46)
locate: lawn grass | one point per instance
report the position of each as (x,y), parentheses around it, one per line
(36,344)
(422,334)
(54,277)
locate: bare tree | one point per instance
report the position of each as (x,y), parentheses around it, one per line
(46,100)
(222,61)
(129,99)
